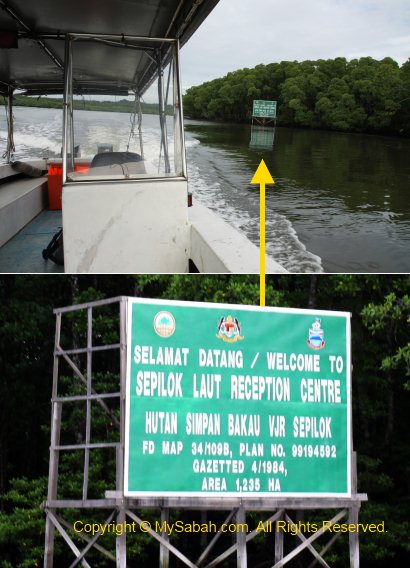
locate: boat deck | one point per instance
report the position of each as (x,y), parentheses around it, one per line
(23,253)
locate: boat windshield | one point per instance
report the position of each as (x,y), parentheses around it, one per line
(149,143)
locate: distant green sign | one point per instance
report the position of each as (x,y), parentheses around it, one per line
(264,109)
(236,401)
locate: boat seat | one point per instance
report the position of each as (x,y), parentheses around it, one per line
(114,163)
(21,199)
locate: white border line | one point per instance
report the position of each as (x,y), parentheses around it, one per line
(227,495)
(237,307)
(128,311)
(349,414)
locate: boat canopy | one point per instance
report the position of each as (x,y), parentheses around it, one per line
(33,34)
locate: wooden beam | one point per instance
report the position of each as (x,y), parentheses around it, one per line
(92,542)
(309,540)
(354,539)
(325,548)
(222,503)
(95,349)
(121,542)
(88,402)
(87,539)
(56,359)
(95,304)
(67,538)
(163,550)
(186,503)
(79,374)
(354,518)
(162,541)
(54,456)
(313,550)
(84,397)
(249,537)
(123,386)
(214,540)
(52,483)
(241,553)
(278,543)
(79,504)
(86,446)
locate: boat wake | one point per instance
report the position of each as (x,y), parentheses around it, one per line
(221,182)
(33,138)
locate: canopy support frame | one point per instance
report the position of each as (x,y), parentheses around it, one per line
(17,18)
(68,128)
(162,114)
(10,126)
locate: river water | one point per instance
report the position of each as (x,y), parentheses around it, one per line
(340,204)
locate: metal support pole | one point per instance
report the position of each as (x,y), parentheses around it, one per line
(179,134)
(140,127)
(163,550)
(241,556)
(162,114)
(10,129)
(66,104)
(71,113)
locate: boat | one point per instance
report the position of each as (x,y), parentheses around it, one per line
(122,210)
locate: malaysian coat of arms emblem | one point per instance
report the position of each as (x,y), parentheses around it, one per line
(229,329)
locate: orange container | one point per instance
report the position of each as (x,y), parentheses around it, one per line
(55,183)
(55,186)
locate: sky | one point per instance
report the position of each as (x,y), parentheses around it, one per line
(244,33)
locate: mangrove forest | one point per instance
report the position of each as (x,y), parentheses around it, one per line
(361,95)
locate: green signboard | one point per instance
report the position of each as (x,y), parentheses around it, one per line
(264,109)
(233,400)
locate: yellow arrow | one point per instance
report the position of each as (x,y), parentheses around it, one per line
(262,177)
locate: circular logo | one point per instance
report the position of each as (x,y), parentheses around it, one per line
(164,324)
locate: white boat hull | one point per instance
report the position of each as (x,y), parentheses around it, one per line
(126,227)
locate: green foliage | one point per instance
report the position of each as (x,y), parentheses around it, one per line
(216,288)
(104,106)
(391,320)
(362,95)
(22,524)
(384,547)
